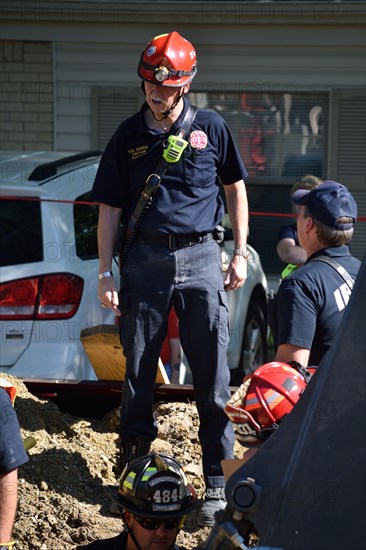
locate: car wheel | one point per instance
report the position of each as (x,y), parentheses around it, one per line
(254,348)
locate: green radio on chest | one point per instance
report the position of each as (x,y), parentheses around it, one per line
(174,148)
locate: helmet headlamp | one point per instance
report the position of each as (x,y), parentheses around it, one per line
(161,73)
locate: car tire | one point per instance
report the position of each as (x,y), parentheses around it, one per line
(254,347)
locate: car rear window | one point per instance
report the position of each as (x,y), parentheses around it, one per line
(20,232)
(86,224)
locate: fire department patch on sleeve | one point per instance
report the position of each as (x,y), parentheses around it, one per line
(198,139)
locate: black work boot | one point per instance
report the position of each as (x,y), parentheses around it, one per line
(214,500)
(129,450)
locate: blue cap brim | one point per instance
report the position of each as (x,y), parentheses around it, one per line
(300,196)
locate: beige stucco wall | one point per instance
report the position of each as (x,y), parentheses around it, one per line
(26,106)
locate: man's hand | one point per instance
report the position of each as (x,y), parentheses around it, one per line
(236,273)
(108,225)
(108,295)
(237,207)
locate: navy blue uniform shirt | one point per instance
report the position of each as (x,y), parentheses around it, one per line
(288,232)
(311,301)
(115,543)
(12,452)
(188,199)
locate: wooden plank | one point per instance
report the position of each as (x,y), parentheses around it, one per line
(103,347)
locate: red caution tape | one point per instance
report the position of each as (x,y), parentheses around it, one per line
(91,203)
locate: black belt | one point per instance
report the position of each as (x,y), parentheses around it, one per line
(173,242)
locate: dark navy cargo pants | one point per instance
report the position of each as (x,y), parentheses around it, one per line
(153,278)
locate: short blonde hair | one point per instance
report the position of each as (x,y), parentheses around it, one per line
(306,182)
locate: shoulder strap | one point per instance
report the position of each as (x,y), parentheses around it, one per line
(335,265)
(187,120)
(151,185)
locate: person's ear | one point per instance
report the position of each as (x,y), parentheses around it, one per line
(127,517)
(186,88)
(309,224)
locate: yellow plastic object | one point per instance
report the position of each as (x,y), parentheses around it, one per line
(174,148)
(29,442)
(103,347)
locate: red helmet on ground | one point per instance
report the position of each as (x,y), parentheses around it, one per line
(264,398)
(168,60)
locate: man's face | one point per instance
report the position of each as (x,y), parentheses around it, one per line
(161,98)
(157,539)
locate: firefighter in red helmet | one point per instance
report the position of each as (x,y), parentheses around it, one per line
(168,60)
(173,259)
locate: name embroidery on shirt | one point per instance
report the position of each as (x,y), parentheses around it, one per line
(342,296)
(137,152)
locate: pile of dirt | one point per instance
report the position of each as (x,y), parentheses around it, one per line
(62,497)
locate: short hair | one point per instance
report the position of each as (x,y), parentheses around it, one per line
(327,235)
(306,182)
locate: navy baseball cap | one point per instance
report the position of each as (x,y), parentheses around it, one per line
(327,202)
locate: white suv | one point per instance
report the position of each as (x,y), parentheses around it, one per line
(49,266)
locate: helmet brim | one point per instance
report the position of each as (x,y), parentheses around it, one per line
(117,498)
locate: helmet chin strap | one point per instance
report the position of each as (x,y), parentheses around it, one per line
(167,113)
(133,537)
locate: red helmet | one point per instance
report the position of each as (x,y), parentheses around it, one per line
(264,398)
(168,60)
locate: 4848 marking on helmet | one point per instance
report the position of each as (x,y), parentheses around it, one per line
(166,496)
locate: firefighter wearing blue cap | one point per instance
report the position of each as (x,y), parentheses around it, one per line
(310,303)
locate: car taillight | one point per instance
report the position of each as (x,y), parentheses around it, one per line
(53,296)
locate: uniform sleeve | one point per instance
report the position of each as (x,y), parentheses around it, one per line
(110,186)
(12,452)
(287,232)
(296,312)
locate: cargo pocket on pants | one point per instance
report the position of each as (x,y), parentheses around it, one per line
(124,320)
(223,329)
